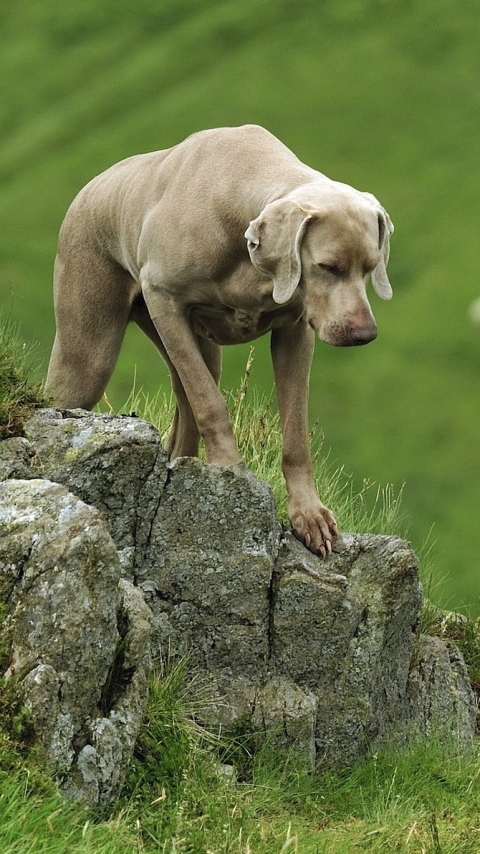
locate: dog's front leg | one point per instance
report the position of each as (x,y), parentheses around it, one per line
(292,350)
(206,402)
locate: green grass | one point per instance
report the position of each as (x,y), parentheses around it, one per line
(180,796)
(35,822)
(20,392)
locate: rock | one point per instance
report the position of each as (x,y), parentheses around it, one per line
(322,656)
(101,763)
(114,462)
(347,630)
(207,567)
(60,579)
(288,715)
(441,700)
(16,456)
(344,629)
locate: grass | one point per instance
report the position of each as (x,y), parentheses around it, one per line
(20,393)
(179,799)
(35,822)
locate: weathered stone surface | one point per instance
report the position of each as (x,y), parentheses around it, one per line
(59,552)
(16,458)
(288,714)
(439,694)
(345,630)
(59,577)
(315,614)
(63,603)
(324,656)
(207,567)
(102,761)
(114,462)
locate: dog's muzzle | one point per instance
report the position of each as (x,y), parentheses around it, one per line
(346,335)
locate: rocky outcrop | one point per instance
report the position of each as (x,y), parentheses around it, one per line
(114,463)
(324,655)
(77,636)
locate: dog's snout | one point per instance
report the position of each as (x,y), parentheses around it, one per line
(345,334)
(363,334)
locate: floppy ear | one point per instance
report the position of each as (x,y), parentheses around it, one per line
(273,240)
(379,275)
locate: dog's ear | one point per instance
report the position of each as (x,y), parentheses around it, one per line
(379,275)
(380,282)
(273,240)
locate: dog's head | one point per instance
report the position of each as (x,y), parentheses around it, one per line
(327,240)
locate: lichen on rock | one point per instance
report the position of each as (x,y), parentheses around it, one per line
(119,555)
(61,581)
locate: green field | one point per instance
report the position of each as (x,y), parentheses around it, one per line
(382,95)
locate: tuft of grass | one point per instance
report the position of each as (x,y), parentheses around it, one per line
(20,393)
(36,821)
(171,736)
(173,775)
(423,798)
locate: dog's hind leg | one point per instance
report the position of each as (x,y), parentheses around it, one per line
(93,297)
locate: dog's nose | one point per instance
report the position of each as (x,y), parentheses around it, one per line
(363,334)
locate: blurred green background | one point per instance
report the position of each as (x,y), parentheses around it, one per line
(381,94)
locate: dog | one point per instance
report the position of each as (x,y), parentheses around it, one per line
(215,241)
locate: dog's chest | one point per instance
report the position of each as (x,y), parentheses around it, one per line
(229,325)
(244,322)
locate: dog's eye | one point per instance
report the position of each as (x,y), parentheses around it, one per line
(331,268)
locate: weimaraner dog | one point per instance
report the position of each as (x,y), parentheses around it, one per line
(218,240)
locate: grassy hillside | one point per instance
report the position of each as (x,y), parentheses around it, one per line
(381,95)
(178,799)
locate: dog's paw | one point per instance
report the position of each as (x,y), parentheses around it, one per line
(315,526)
